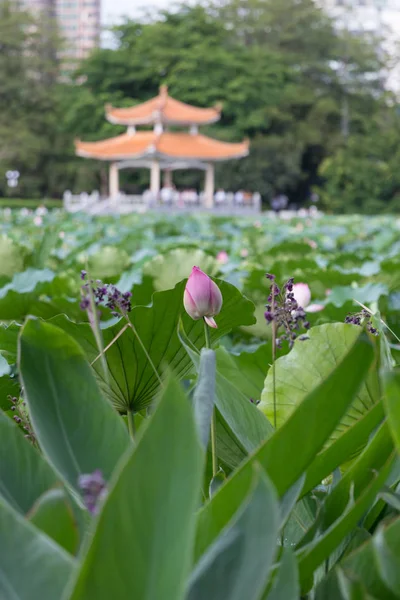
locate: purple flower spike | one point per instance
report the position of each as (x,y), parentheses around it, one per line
(285,311)
(93,488)
(104,295)
(360,318)
(85,303)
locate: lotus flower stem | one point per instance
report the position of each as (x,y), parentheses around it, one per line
(273,358)
(131,423)
(213,430)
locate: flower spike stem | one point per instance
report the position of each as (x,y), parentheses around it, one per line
(131,423)
(273,356)
(213,433)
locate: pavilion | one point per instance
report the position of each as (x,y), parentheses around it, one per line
(159,149)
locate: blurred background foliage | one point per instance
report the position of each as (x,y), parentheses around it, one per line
(310,98)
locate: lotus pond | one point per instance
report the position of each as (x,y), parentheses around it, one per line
(146,455)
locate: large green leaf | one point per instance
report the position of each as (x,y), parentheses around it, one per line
(24,474)
(391,381)
(286,586)
(42,253)
(347,504)
(366,294)
(108,262)
(237,564)
(239,426)
(352,484)
(9,385)
(350,589)
(388,561)
(173,266)
(133,382)
(11,257)
(19,296)
(247,370)
(260,328)
(309,363)
(77,429)
(53,514)
(317,415)
(362,566)
(8,341)
(142,546)
(31,564)
(344,448)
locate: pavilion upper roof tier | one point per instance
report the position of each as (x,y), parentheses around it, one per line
(163,109)
(168,145)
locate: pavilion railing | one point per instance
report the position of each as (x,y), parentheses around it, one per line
(185,201)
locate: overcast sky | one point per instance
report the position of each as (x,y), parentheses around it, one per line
(113,10)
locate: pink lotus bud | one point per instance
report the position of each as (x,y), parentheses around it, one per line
(313,308)
(222,257)
(302,294)
(202,297)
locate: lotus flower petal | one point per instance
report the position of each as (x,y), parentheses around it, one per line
(302,294)
(202,297)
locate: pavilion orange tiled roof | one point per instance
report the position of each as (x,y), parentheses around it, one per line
(145,144)
(163,109)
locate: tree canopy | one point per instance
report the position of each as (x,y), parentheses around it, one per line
(309,97)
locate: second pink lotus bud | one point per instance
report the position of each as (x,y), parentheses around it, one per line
(302,295)
(202,297)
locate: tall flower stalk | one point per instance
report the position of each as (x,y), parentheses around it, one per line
(213,427)
(284,313)
(203,300)
(96,294)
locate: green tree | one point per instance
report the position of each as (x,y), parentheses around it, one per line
(280,69)
(28,72)
(304,93)
(362,175)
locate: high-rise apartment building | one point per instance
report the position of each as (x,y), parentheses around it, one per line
(78,23)
(41,5)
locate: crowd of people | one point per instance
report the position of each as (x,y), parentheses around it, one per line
(190,197)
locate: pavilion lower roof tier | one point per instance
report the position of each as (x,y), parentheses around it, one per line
(163,109)
(168,145)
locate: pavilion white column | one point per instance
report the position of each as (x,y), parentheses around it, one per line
(209,186)
(155,178)
(167,180)
(113,180)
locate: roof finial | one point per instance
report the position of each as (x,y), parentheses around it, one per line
(163,90)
